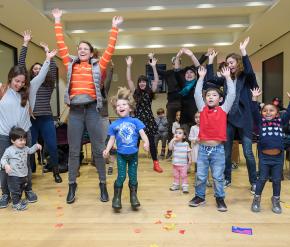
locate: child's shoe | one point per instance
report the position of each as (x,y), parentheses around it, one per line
(256,204)
(174,187)
(196,201)
(31,196)
(156,166)
(4,200)
(276,207)
(20,206)
(185,188)
(221,205)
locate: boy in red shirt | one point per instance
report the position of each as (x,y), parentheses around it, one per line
(212,135)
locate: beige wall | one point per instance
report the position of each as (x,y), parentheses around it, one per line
(276,47)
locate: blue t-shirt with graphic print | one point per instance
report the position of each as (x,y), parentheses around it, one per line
(126,131)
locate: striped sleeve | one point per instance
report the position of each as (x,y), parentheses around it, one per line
(107,55)
(62,48)
(22,56)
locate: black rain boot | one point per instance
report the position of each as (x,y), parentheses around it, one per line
(256,204)
(104,193)
(276,207)
(71,193)
(133,196)
(57,177)
(116,203)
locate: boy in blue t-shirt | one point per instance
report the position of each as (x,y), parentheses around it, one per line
(126,131)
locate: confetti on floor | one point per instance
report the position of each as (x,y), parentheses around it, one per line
(169,227)
(59,225)
(169,214)
(137,230)
(154,245)
(181,231)
(242,230)
(158,222)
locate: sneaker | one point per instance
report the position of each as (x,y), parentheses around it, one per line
(196,201)
(227,183)
(20,206)
(110,170)
(31,197)
(253,188)
(256,204)
(185,188)
(208,183)
(220,203)
(174,187)
(4,201)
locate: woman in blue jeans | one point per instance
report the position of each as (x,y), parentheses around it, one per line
(41,117)
(240,116)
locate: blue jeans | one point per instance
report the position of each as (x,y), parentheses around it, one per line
(79,117)
(248,153)
(212,157)
(270,165)
(44,126)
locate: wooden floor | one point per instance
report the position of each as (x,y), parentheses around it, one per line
(89,222)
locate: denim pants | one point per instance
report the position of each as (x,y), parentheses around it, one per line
(79,117)
(44,126)
(212,157)
(5,143)
(16,187)
(122,161)
(161,137)
(248,153)
(270,165)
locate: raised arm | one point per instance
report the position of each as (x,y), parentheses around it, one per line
(231,92)
(129,61)
(198,89)
(52,67)
(26,38)
(107,55)
(192,56)
(256,92)
(152,62)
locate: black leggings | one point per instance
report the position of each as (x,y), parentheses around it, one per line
(153,150)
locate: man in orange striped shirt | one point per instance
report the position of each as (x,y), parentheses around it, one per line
(83,95)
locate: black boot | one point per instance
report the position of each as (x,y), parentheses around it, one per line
(104,193)
(116,203)
(133,196)
(71,193)
(57,177)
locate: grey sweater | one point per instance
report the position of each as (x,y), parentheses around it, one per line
(11,112)
(16,158)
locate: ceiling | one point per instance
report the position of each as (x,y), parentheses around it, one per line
(163,25)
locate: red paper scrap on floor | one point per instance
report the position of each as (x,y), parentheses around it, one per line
(59,208)
(181,231)
(137,230)
(158,222)
(59,225)
(169,214)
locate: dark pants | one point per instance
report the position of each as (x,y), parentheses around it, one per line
(5,143)
(122,161)
(161,137)
(153,148)
(248,153)
(270,165)
(44,126)
(79,117)
(16,187)
(172,108)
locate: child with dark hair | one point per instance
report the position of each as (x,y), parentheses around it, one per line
(212,135)
(271,149)
(162,133)
(14,161)
(126,131)
(181,159)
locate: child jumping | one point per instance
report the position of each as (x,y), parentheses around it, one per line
(14,161)
(126,131)
(181,158)
(271,149)
(212,134)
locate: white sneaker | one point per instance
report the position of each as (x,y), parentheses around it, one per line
(185,188)
(174,187)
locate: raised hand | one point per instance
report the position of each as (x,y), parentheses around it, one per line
(50,54)
(26,37)
(39,147)
(152,62)
(211,56)
(243,46)
(129,60)
(187,52)
(209,51)
(226,72)
(151,55)
(57,13)
(202,71)
(256,92)
(44,46)
(117,21)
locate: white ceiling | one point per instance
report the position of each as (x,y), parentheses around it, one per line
(164,24)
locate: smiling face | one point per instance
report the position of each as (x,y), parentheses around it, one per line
(123,108)
(212,98)
(189,75)
(232,64)
(20,142)
(142,84)
(269,112)
(35,70)
(17,82)
(84,52)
